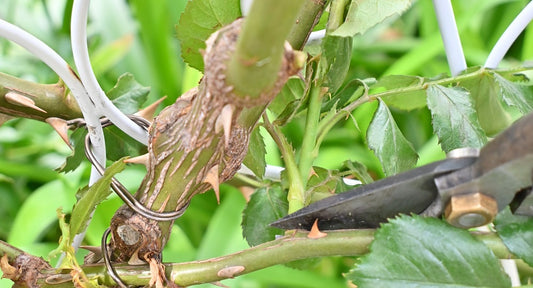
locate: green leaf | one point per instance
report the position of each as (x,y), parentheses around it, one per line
(128,95)
(337,53)
(426,252)
(454,118)
(255,158)
(292,90)
(349,93)
(358,170)
(384,137)
(485,93)
(323,183)
(516,233)
(364,14)
(199,20)
(404,99)
(119,144)
(266,205)
(78,154)
(514,95)
(89,197)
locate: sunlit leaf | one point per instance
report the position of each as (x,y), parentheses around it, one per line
(266,205)
(128,95)
(514,95)
(517,234)
(395,153)
(255,158)
(487,100)
(426,252)
(364,14)
(89,197)
(199,20)
(454,118)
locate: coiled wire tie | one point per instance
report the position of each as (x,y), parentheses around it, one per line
(119,189)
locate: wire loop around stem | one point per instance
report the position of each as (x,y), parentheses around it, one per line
(107,261)
(119,189)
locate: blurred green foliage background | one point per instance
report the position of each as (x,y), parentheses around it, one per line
(139,37)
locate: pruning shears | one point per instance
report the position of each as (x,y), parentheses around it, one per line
(468,188)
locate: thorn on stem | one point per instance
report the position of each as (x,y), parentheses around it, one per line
(224,121)
(212,179)
(230,272)
(21,100)
(149,111)
(61,127)
(143,159)
(315,233)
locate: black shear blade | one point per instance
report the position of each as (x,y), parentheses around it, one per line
(369,205)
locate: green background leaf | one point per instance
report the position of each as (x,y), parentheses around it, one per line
(517,234)
(514,95)
(426,252)
(384,137)
(364,14)
(454,118)
(335,61)
(128,95)
(199,20)
(488,103)
(255,158)
(266,205)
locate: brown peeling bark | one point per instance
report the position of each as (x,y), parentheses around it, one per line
(195,144)
(24,270)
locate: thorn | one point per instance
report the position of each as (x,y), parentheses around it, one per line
(21,100)
(94,249)
(143,159)
(61,128)
(230,272)
(149,111)
(224,121)
(315,233)
(312,173)
(212,179)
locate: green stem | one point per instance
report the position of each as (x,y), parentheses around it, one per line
(10,251)
(50,99)
(295,195)
(289,248)
(254,66)
(307,19)
(336,14)
(308,153)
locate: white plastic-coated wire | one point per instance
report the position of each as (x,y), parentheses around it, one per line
(509,36)
(62,69)
(450,36)
(104,107)
(509,266)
